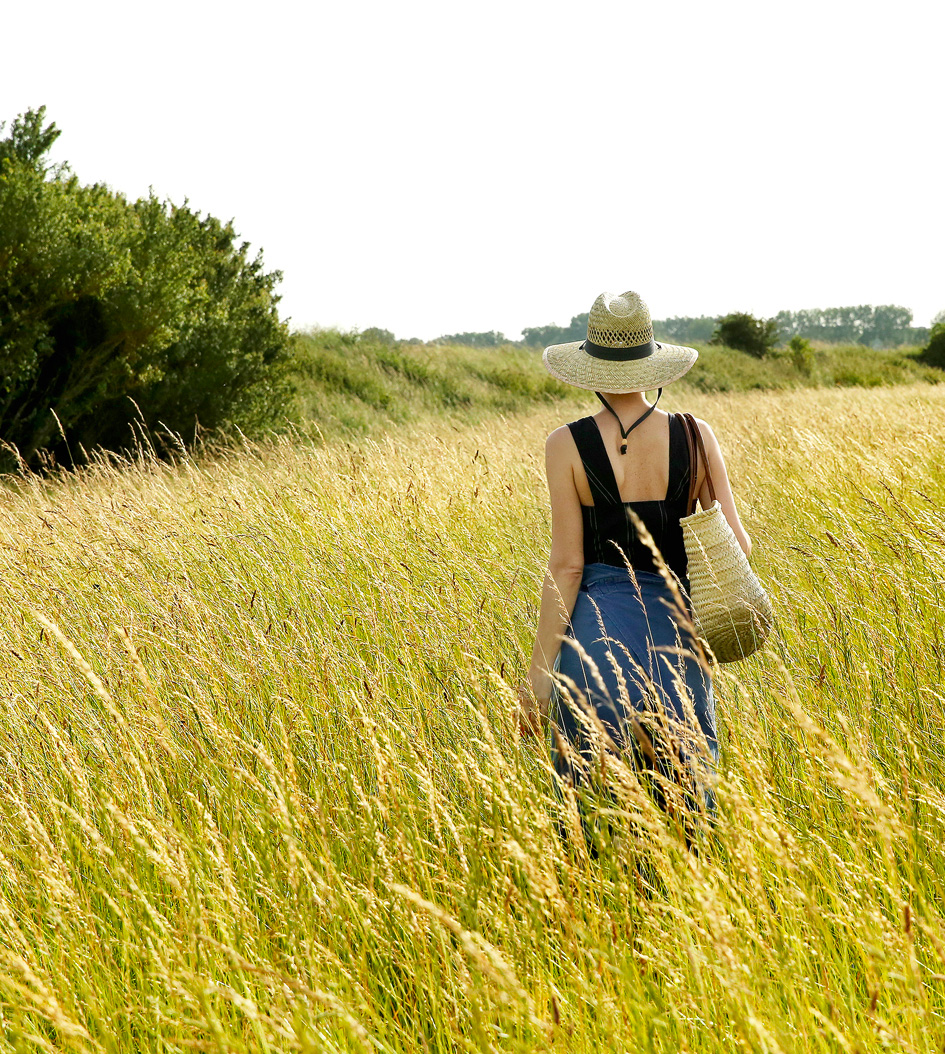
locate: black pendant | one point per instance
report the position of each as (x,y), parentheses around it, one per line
(639,421)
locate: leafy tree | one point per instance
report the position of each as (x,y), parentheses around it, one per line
(542,336)
(28,141)
(492,339)
(883,326)
(933,354)
(744,332)
(374,335)
(113,312)
(884,329)
(685,330)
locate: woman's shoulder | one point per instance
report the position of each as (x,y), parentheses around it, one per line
(709,438)
(704,426)
(559,439)
(564,435)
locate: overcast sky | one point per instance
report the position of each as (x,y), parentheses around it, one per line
(434,167)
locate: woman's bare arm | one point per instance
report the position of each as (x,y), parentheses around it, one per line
(723,489)
(563,577)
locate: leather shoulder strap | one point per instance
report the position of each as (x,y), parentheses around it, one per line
(597,466)
(696,443)
(693,464)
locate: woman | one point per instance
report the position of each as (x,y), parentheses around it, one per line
(614,647)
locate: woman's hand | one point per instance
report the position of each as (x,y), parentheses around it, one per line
(534,697)
(529,715)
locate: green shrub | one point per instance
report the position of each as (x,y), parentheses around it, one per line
(743,332)
(802,355)
(117,314)
(340,375)
(933,354)
(446,389)
(851,377)
(519,382)
(397,362)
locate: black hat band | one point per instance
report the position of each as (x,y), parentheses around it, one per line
(639,351)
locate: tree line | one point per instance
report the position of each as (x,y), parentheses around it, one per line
(883,326)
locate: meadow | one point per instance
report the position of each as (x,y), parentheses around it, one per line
(262,788)
(352,385)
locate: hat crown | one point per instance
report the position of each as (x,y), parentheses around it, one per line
(619,321)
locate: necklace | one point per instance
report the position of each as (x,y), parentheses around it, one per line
(639,421)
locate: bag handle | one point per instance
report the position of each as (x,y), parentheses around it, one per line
(693,473)
(696,443)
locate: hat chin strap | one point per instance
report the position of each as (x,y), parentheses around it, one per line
(639,421)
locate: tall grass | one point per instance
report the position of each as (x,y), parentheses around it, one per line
(262,792)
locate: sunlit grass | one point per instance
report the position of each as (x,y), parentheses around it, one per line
(261,789)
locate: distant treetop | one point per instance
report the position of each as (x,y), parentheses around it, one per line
(884,326)
(542,336)
(491,339)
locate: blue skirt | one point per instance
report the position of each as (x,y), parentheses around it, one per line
(627,659)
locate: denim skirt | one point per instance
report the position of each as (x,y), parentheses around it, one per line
(628,660)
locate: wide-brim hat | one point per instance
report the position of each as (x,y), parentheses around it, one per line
(619,354)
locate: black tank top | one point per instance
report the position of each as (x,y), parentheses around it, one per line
(606,521)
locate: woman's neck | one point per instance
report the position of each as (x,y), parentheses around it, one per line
(628,404)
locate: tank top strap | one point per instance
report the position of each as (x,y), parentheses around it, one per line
(597,466)
(679,467)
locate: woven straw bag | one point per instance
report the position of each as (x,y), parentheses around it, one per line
(731,610)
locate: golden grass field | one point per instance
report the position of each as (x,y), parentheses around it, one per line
(262,791)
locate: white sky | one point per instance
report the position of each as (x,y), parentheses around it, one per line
(434,167)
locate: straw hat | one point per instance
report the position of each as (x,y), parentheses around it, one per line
(620,354)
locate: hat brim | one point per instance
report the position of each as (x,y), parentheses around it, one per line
(573,365)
